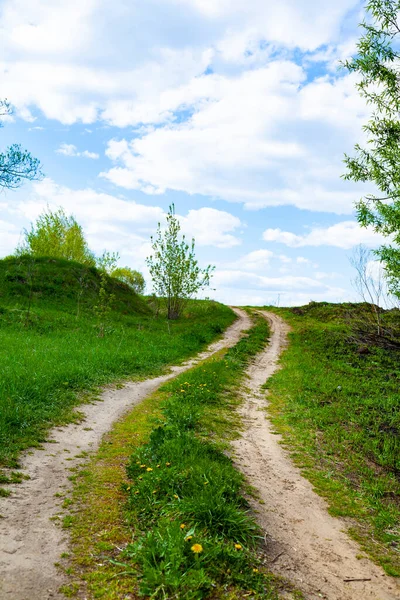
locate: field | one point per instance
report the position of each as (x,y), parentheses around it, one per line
(52,354)
(337,402)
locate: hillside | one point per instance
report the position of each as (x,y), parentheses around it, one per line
(59,285)
(336,400)
(61,346)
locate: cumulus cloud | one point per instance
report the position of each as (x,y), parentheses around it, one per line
(211,227)
(342,235)
(221,102)
(257,137)
(72,150)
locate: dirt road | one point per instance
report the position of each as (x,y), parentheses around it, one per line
(30,543)
(306,544)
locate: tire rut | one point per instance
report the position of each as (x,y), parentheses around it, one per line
(31,541)
(304,543)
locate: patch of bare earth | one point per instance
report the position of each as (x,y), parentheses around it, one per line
(304,543)
(31,539)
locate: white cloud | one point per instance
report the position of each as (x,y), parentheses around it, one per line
(211,227)
(9,237)
(124,225)
(257,137)
(72,150)
(342,235)
(258,260)
(254,129)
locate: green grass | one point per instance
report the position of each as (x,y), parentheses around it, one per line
(49,359)
(337,404)
(185,494)
(182,490)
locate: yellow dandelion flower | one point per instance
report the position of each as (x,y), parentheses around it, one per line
(155,492)
(175,496)
(255,570)
(128,488)
(238,546)
(183,526)
(158,466)
(149,469)
(142,466)
(137,492)
(189,537)
(197,548)
(167,464)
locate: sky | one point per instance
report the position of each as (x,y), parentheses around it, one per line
(236,111)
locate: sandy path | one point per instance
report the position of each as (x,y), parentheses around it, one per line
(30,543)
(309,546)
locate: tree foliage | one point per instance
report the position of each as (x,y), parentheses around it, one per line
(58,235)
(16,164)
(377,64)
(133,278)
(174,269)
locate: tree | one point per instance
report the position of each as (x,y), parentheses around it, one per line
(134,279)
(174,269)
(377,64)
(58,235)
(16,164)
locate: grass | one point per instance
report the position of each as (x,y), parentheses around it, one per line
(178,526)
(51,356)
(337,404)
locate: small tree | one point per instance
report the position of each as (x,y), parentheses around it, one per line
(16,164)
(107,262)
(174,269)
(370,283)
(134,279)
(58,235)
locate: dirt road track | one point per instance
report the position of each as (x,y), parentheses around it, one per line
(30,543)
(309,546)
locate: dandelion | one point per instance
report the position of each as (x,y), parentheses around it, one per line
(137,491)
(167,464)
(183,526)
(142,466)
(140,477)
(149,469)
(175,496)
(197,548)
(158,466)
(238,546)
(255,570)
(128,488)
(188,538)
(155,492)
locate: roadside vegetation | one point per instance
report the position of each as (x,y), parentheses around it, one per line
(67,328)
(337,403)
(176,523)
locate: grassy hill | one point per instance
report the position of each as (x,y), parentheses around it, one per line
(337,402)
(60,285)
(49,357)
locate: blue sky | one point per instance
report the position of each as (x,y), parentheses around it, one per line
(235,110)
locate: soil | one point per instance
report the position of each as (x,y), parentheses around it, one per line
(31,539)
(303,542)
